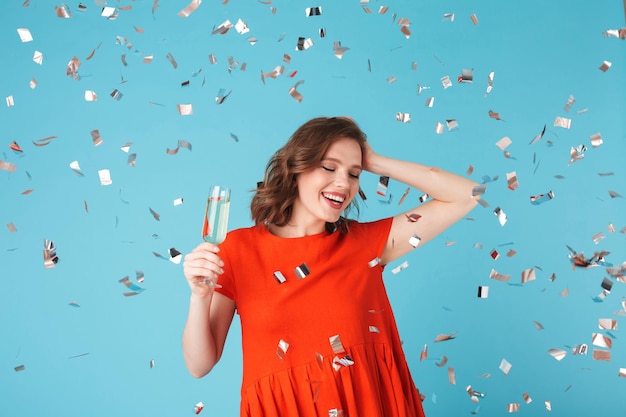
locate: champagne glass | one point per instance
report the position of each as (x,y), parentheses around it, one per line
(216,215)
(215,223)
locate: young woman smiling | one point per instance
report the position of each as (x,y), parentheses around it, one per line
(318,334)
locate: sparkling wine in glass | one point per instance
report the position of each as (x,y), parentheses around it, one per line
(216,215)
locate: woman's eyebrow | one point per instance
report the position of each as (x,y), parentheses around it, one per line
(339,162)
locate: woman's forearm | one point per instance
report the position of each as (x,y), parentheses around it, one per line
(199,347)
(439,184)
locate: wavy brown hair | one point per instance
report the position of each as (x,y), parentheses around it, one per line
(274,197)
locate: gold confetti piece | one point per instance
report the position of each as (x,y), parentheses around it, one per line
(622,373)
(50,258)
(442,363)
(474,395)
(527,398)
(74,304)
(563,122)
(272,74)
(156,215)
(403,117)
(451,377)
(605,66)
(132,159)
(400,267)
(38,57)
(105,177)
(26,192)
(538,325)
(570,102)
(614,194)
(33,83)
(424,353)
(383,9)
(601,355)
(483,291)
(557,354)
(7,166)
(404,27)
(581,349)
(474,19)
(294,92)
(91,95)
(10,101)
(86,207)
(439,128)
(598,339)
(391,79)
(63,11)
(406,192)
(505,366)
(148,59)
(19,368)
(430,102)
(199,406)
(596,140)
(445,337)
(135,289)
(494,115)
(11,227)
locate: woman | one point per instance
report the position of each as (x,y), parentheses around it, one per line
(318,334)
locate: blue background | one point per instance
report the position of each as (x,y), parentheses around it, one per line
(94,358)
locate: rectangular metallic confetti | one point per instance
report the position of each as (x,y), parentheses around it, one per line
(302,271)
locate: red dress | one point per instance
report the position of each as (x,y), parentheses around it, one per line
(318,334)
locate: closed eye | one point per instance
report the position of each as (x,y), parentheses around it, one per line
(328,169)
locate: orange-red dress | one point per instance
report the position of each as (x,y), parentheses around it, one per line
(319,337)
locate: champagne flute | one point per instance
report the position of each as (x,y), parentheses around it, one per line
(215,223)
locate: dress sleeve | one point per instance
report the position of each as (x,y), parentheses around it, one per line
(375,233)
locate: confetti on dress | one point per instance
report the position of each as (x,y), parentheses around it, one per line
(302,271)
(281,350)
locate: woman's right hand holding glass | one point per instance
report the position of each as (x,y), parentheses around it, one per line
(202,268)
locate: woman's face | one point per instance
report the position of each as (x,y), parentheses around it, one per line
(325,191)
